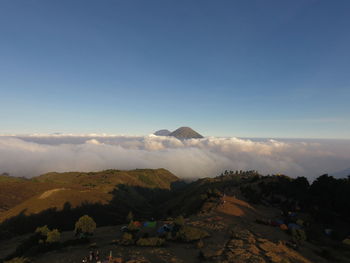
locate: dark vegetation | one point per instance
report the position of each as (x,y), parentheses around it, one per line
(326,198)
(44,240)
(325,202)
(144,202)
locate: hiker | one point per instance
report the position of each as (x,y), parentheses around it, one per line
(91,255)
(222,199)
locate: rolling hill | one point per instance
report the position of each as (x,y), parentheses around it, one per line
(53,190)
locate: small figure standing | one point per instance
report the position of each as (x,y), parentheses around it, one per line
(91,256)
(97,257)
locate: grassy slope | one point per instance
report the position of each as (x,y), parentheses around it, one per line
(54,189)
(14,191)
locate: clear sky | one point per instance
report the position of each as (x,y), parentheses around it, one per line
(225,68)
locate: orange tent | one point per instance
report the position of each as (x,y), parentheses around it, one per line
(283,227)
(137,224)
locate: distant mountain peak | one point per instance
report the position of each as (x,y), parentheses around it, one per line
(163,132)
(180,133)
(186,133)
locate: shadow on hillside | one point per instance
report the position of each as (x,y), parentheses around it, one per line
(145,204)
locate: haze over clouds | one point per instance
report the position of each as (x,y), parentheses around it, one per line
(33,155)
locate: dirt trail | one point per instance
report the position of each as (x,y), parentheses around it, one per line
(50,192)
(235,207)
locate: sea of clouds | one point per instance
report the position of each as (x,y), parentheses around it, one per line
(33,155)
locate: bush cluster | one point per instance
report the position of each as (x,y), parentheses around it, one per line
(150,242)
(298,235)
(126,239)
(48,236)
(189,234)
(85,225)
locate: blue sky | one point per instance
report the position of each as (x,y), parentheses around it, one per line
(225,68)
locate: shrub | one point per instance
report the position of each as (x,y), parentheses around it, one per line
(126,239)
(189,233)
(44,230)
(346,242)
(85,225)
(298,235)
(53,236)
(150,242)
(179,221)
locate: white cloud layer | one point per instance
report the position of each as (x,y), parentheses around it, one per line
(33,155)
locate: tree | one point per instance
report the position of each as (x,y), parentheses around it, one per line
(179,221)
(44,230)
(53,236)
(85,225)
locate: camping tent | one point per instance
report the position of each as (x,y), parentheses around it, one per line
(164,229)
(150,224)
(293,226)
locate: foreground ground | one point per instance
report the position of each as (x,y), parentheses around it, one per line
(235,237)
